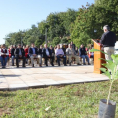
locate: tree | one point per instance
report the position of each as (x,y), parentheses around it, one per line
(56,40)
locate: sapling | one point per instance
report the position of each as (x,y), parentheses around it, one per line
(109,69)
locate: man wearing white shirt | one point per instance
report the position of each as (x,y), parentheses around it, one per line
(3,55)
(60,54)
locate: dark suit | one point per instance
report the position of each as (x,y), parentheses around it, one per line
(31,51)
(16,52)
(12,55)
(46,57)
(40,52)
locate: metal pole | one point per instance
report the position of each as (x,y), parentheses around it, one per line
(46,35)
(21,41)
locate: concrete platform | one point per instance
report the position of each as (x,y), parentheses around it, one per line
(13,78)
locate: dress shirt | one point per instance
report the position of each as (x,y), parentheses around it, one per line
(47,52)
(33,50)
(20,52)
(59,52)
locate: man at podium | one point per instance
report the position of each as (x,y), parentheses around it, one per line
(108,41)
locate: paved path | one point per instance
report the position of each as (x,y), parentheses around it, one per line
(24,78)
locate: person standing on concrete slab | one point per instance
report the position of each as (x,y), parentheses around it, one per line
(108,41)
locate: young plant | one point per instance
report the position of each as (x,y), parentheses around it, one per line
(110,69)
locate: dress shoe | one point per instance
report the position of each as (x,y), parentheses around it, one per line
(40,65)
(84,64)
(78,64)
(89,64)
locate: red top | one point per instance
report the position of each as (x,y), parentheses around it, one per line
(9,53)
(26,52)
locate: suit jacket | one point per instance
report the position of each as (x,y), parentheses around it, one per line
(16,52)
(82,51)
(12,51)
(40,51)
(44,52)
(31,51)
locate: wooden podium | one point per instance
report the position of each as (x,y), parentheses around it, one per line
(98,62)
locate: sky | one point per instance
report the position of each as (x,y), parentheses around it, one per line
(18,15)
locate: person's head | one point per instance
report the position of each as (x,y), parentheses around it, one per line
(71,43)
(69,46)
(82,46)
(41,47)
(27,46)
(32,45)
(11,46)
(58,46)
(76,48)
(3,46)
(19,45)
(106,28)
(24,47)
(45,46)
(55,47)
(51,47)
(14,46)
(61,45)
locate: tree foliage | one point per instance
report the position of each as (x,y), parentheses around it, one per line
(81,26)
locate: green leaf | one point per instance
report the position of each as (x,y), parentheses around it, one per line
(93,50)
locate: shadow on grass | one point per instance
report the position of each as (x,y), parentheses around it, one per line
(7,94)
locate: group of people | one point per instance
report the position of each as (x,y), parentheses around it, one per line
(57,53)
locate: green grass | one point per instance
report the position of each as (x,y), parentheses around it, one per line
(71,101)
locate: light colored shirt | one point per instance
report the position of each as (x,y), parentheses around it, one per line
(47,52)
(3,53)
(59,52)
(70,51)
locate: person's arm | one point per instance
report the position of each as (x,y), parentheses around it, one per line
(23,53)
(62,52)
(56,52)
(67,51)
(79,52)
(102,39)
(7,52)
(15,52)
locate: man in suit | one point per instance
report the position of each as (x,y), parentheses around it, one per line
(20,54)
(40,52)
(33,53)
(59,53)
(47,54)
(3,55)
